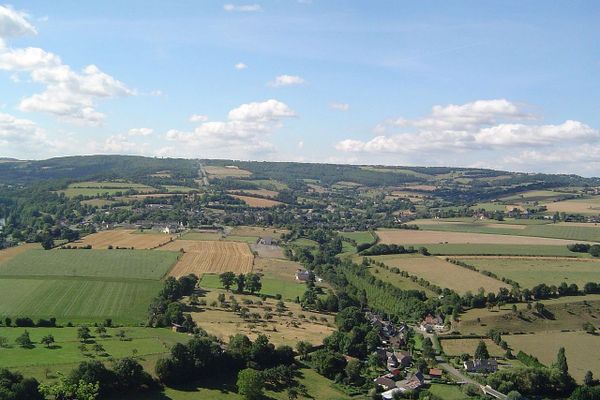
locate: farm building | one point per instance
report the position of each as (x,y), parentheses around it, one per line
(435,372)
(481,366)
(413,383)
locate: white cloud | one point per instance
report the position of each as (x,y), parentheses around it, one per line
(240,66)
(481,125)
(287,80)
(301,144)
(140,132)
(18,130)
(247,129)
(68,95)
(198,118)
(242,7)
(14,23)
(340,106)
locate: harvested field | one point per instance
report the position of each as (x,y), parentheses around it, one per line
(456,347)
(9,253)
(578,206)
(443,274)
(198,235)
(124,238)
(202,257)
(257,202)
(406,236)
(257,231)
(581,349)
(255,192)
(501,250)
(266,251)
(224,172)
(529,272)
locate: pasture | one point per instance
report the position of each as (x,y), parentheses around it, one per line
(443,274)
(257,231)
(11,252)
(198,235)
(128,264)
(399,281)
(94,189)
(456,347)
(581,349)
(359,236)
(179,189)
(501,250)
(226,172)
(257,202)
(78,300)
(205,257)
(529,272)
(271,286)
(255,192)
(406,236)
(124,238)
(576,206)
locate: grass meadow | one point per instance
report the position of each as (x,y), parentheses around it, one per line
(483,249)
(271,286)
(359,236)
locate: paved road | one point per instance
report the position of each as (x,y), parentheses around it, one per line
(459,376)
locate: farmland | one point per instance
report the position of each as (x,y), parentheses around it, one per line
(483,249)
(129,264)
(256,192)
(442,273)
(11,252)
(257,202)
(202,257)
(226,172)
(93,189)
(271,286)
(578,347)
(405,236)
(529,272)
(359,237)
(257,231)
(456,347)
(198,235)
(124,238)
(399,281)
(580,206)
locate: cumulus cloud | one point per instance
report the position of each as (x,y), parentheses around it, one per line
(242,7)
(340,106)
(248,128)
(479,125)
(71,96)
(198,118)
(14,23)
(286,80)
(240,66)
(140,132)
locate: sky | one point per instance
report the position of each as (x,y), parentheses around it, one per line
(510,85)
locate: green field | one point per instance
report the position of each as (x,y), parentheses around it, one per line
(201,236)
(359,236)
(530,272)
(305,242)
(179,189)
(134,264)
(399,281)
(501,250)
(78,300)
(447,392)
(243,239)
(289,290)
(555,231)
(93,189)
(65,354)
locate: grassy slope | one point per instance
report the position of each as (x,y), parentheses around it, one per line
(270,286)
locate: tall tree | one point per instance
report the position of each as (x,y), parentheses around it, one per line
(250,384)
(227,279)
(561,362)
(241,283)
(481,353)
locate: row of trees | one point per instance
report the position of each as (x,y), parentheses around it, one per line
(243,282)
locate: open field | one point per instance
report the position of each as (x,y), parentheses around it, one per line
(443,274)
(134,264)
(257,202)
(406,236)
(567,313)
(577,206)
(193,235)
(501,250)
(399,281)
(11,252)
(257,231)
(456,347)
(125,301)
(179,189)
(267,251)
(318,387)
(93,188)
(529,272)
(226,172)
(271,286)
(202,257)
(124,238)
(581,349)
(359,236)
(535,195)
(280,329)
(447,392)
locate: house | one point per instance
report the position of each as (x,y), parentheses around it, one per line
(267,240)
(392,362)
(481,366)
(385,382)
(303,275)
(435,372)
(177,328)
(404,358)
(414,382)
(431,323)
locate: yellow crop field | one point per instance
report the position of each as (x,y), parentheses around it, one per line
(256,192)
(257,201)
(214,257)
(224,172)
(124,238)
(9,253)
(443,273)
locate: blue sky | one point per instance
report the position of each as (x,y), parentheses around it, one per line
(512,85)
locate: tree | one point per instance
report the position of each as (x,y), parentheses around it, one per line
(588,379)
(3,342)
(427,348)
(14,386)
(241,283)
(589,328)
(303,348)
(130,374)
(250,384)
(101,330)
(24,340)
(561,362)
(227,279)
(47,340)
(66,390)
(514,395)
(48,243)
(98,348)
(481,353)
(253,283)
(83,333)
(353,372)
